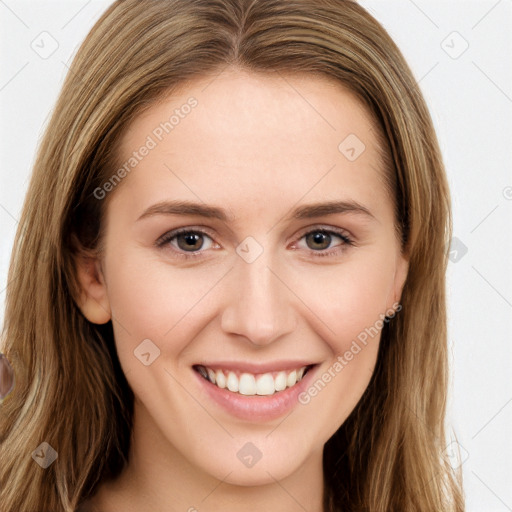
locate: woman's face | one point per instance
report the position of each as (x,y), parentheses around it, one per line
(251,236)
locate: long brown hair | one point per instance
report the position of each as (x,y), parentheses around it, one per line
(70,390)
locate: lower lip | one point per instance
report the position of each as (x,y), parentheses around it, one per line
(257,408)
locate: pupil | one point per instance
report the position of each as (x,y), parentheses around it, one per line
(319,239)
(190,241)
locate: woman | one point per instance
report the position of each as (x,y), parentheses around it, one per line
(244,217)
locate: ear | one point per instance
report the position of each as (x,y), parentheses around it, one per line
(93,301)
(401,270)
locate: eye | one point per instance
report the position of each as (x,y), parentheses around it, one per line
(186,241)
(320,240)
(191,243)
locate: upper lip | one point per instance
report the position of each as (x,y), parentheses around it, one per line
(255,368)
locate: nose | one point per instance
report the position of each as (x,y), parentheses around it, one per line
(260,306)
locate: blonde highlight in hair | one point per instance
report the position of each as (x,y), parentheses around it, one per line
(70,390)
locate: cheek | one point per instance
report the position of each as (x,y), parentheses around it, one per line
(350,307)
(151,299)
(349,299)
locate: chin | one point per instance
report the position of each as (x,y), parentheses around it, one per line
(255,460)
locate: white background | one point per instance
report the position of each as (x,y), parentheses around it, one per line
(469,92)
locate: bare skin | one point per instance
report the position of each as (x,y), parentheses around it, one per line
(256,148)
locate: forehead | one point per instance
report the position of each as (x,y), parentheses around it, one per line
(241,137)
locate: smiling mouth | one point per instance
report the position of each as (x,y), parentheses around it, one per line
(250,384)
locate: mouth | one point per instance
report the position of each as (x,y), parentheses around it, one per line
(252,384)
(254,392)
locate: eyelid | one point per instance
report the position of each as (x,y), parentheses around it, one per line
(325,228)
(185,229)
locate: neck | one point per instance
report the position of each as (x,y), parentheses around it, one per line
(159,478)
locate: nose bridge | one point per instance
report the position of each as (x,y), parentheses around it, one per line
(259,305)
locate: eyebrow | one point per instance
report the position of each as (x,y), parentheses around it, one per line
(308,211)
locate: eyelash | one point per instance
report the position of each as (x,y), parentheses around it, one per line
(166,238)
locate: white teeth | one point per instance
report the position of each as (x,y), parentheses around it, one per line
(220,379)
(211,375)
(280,381)
(249,384)
(292,379)
(265,384)
(232,382)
